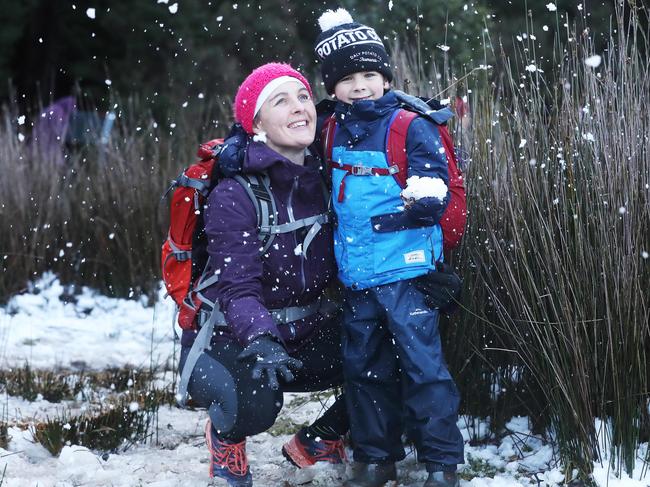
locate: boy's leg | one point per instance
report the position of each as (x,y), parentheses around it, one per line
(372,386)
(430,397)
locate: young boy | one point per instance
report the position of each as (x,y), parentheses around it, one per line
(396,377)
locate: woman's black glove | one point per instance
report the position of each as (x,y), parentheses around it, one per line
(271,358)
(441,289)
(232,152)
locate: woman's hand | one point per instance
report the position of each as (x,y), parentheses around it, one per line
(271,359)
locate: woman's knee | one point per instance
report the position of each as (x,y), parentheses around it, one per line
(212,386)
(258,409)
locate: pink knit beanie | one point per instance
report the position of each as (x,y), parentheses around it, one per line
(250,90)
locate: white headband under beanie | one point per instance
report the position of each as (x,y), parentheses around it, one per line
(270,88)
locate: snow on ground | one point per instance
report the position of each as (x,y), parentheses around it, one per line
(94,331)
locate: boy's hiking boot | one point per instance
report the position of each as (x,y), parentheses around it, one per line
(227,459)
(304,450)
(442,479)
(372,475)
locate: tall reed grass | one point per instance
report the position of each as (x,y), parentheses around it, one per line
(555,259)
(93,214)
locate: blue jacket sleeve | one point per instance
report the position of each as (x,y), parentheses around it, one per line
(427,158)
(233,247)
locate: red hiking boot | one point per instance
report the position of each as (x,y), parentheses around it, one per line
(227,459)
(304,451)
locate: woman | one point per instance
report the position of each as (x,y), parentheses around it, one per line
(257,356)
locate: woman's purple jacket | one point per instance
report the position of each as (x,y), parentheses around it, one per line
(250,285)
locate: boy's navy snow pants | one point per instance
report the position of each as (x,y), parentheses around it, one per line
(397,379)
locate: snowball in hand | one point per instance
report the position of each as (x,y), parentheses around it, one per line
(424,187)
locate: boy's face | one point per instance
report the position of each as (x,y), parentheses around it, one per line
(364,85)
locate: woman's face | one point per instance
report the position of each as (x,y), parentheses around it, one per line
(288,117)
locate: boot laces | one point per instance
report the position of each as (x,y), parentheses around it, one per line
(232,456)
(329,448)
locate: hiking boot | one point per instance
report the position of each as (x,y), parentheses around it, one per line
(304,450)
(228,459)
(442,479)
(372,475)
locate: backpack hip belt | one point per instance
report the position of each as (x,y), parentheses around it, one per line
(280,316)
(208,320)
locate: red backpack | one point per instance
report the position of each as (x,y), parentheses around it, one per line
(191,189)
(455,216)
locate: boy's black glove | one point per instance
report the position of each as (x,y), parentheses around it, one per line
(441,289)
(232,152)
(270,358)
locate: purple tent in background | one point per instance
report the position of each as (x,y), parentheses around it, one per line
(51,127)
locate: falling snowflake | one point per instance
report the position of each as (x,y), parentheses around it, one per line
(173,8)
(593,61)
(551,7)
(90,12)
(522,144)
(443,47)
(531,68)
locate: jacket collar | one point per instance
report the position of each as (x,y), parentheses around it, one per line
(356,118)
(366,110)
(260,157)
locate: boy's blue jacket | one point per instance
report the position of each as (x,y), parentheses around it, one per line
(377,241)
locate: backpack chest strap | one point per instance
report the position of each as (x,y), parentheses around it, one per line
(295,225)
(315,223)
(359,170)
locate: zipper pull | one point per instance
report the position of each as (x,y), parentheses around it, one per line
(196,202)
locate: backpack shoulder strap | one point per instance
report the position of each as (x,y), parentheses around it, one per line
(258,188)
(396,143)
(327,136)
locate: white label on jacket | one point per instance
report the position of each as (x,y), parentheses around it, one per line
(415,257)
